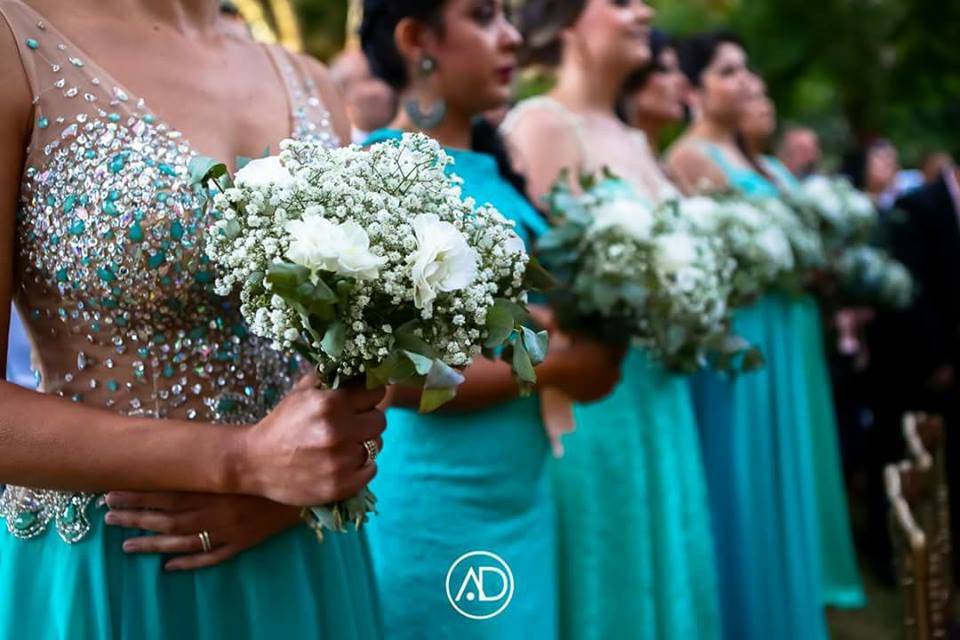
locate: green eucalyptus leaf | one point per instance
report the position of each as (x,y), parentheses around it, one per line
(421,363)
(433,399)
(536,344)
(537,277)
(334,339)
(522,365)
(405,339)
(285,277)
(203,169)
(500,324)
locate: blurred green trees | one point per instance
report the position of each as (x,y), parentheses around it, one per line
(851,68)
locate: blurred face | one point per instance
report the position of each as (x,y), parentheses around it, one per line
(801,152)
(725,85)
(883,164)
(369,101)
(759,118)
(612,34)
(660,99)
(476,52)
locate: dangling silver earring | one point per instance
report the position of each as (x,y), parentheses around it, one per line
(432,117)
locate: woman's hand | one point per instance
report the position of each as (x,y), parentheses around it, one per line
(233,524)
(582,368)
(309,451)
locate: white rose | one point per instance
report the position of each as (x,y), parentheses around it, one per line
(631,217)
(264,172)
(344,249)
(443,261)
(675,252)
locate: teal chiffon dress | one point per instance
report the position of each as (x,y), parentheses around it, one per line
(759,434)
(636,548)
(454,483)
(839,573)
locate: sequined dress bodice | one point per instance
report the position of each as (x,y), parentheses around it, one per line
(110,272)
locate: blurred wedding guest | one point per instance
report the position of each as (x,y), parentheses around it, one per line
(371,103)
(653,97)
(799,151)
(757,428)
(874,169)
(933,218)
(839,575)
(632,475)
(933,164)
(18,354)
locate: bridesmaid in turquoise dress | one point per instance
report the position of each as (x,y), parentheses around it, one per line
(474,476)
(142,363)
(759,429)
(838,562)
(636,549)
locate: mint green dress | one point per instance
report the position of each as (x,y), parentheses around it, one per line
(454,483)
(838,561)
(117,295)
(636,548)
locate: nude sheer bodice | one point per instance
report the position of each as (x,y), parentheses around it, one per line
(111,278)
(628,155)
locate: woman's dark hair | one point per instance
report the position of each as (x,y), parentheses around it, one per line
(541,22)
(380,19)
(659,43)
(697,52)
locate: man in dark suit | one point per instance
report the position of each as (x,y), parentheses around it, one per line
(931,249)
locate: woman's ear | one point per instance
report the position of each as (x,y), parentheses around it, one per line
(413,39)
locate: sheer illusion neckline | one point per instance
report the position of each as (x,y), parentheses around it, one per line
(134,98)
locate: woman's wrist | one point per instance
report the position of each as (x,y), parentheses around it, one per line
(235,473)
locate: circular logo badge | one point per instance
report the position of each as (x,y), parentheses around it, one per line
(479,585)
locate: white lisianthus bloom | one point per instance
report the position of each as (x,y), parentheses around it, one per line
(820,190)
(264,172)
(344,249)
(631,217)
(443,260)
(675,252)
(701,212)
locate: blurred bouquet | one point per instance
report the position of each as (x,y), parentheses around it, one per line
(368,263)
(842,214)
(869,274)
(847,221)
(637,273)
(759,242)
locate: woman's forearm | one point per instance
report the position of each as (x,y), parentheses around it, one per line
(52,443)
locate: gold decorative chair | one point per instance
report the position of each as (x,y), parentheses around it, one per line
(920,528)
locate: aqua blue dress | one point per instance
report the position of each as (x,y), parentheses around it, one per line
(636,549)
(453,483)
(839,573)
(759,449)
(113,287)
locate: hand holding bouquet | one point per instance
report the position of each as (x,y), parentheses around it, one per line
(371,266)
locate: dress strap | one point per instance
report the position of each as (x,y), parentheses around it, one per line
(310,118)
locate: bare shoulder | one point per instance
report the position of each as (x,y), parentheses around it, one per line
(328,94)
(693,169)
(15,98)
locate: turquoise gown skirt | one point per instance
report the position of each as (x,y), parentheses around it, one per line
(636,551)
(291,586)
(451,484)
(760,457)
(840,576)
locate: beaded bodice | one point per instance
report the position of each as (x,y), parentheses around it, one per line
(111,276)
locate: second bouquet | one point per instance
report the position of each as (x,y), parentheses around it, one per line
(371,265)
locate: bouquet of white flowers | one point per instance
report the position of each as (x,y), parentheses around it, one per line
(370,264)
(633,272)
(843,214)
(758,242)
(870,274)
